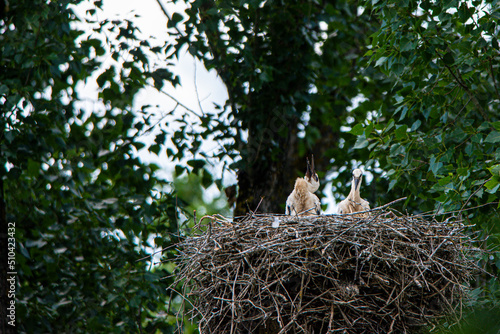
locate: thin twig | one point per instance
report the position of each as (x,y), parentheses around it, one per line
(165,12)
(374,209)
(327,271)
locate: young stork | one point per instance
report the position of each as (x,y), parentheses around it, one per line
(354,202)
(302,199)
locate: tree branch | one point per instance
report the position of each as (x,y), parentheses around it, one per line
(462,84)
(164,10)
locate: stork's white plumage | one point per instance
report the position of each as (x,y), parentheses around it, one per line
(354,202)
(302,199)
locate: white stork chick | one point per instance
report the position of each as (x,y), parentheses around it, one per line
(302,199)
(354,202)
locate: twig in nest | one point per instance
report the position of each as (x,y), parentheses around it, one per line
(337,273)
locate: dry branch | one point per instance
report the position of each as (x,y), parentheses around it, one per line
(383,273)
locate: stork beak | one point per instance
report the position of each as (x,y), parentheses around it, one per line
(309,173)
(313,170)
(356,182)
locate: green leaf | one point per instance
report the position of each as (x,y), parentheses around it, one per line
(206,179)
(390,172)
(357,130)
(400,132)
(155,148)
(389,126)
(496,125)
(175,19)
(445,180)
(24,251)
(415,125)
(406,44)
(369,129)
(493,185)
(448,58)
(138,145)
(458,135)
(494,43)
(33,168)
(397,68)
(3,89)
(361,142)
(196,163)
(179,170)
(495,170)
(391,185)
(493,137)
(463,171)
(380,61)
(435,165)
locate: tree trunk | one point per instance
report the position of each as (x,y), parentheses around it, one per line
(265,182)
(268,108)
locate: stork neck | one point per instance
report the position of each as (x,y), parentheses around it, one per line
(354,194)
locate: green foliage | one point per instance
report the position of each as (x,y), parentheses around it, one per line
(85,207)
(439,144)
(294,71)
(446,97)
(409,89)
(484,320)
(192,190)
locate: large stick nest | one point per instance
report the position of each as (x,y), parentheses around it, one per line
(381,273)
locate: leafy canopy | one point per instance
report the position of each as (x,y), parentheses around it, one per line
(85,207)
(440,143)
(408,89)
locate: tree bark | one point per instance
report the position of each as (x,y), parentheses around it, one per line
(265,182)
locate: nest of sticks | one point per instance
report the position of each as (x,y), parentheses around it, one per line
(381,273)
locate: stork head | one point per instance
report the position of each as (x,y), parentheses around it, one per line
(311,176)
(357,175)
